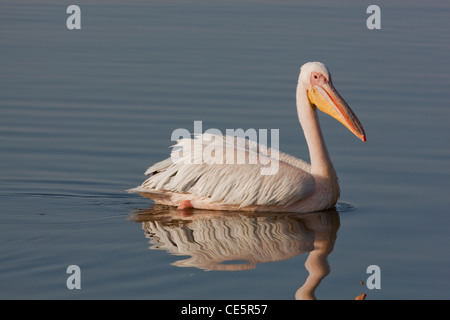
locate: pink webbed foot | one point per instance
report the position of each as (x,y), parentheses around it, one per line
(186,204)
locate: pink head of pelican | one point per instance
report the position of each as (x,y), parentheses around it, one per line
(316,80)
(297,186)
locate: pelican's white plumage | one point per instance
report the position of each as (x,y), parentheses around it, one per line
(241,185)
(296,186)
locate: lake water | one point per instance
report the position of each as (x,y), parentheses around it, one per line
(84,112)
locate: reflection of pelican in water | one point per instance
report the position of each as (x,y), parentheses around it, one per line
(217,240)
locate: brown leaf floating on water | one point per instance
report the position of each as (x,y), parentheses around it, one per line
(361,297)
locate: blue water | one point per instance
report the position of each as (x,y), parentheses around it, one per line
(84,112)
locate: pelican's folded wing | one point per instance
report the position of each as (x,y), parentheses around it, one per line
(226,170)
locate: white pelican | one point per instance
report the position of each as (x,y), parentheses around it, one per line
(296,187)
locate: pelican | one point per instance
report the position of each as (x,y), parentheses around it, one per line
(297,185)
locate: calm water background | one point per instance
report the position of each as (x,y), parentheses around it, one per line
(84,113)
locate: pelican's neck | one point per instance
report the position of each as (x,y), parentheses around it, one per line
(320,159)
